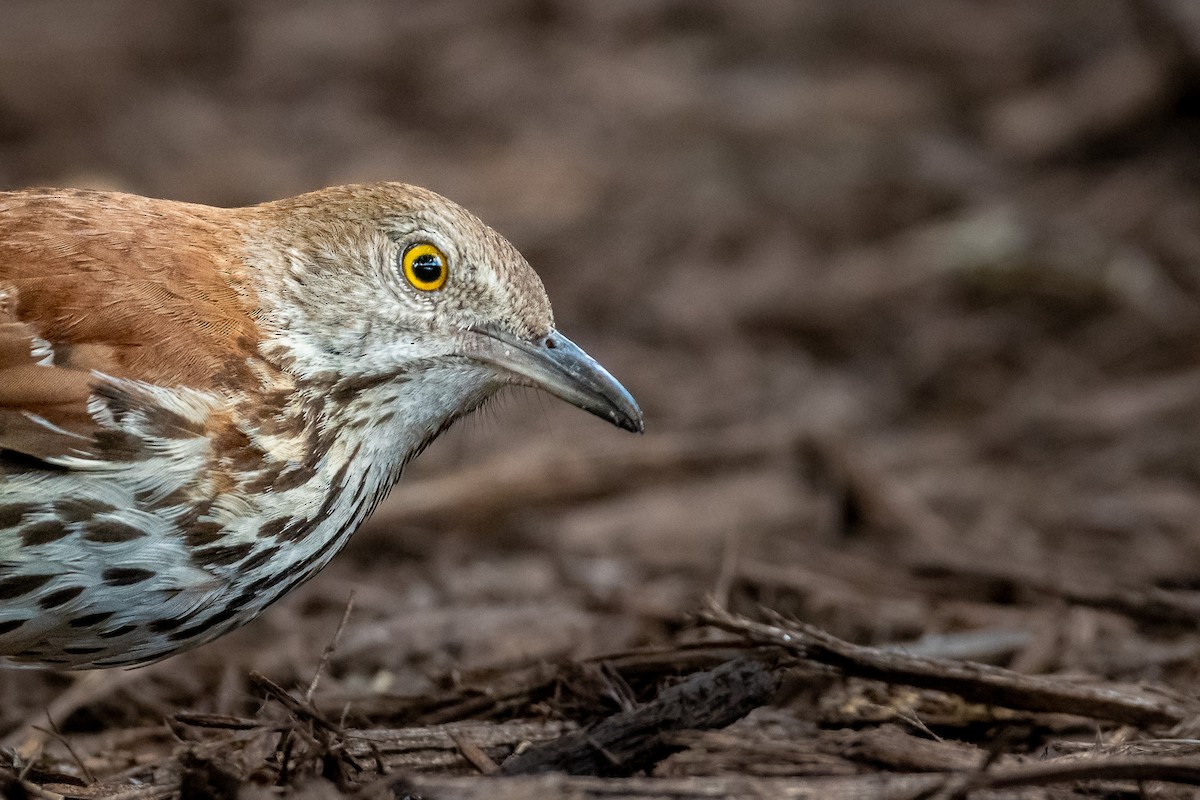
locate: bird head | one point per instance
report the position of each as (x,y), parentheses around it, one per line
(389,285)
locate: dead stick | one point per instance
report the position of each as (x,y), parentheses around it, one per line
(633,740)
(330,649)
(979,683)
(885,786)
(299,709)
(474,754)
(1168,770)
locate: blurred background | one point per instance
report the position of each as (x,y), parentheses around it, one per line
(908,292)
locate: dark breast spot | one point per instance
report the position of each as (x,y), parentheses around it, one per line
(258,559)
(43,532)
(224,616)
(60,596)
(10,515)
(82,651)
(90,620)
(152,497)
(264,479)
(199,534)
(296,475)
(79,510)
(235,448)
(110,531)
(257,586)
(115,632)
(164,625)
(293,569)
(125,576)
(183,634)
(10,625)
(20,585)
(272,528)
(222,556)
(338,482)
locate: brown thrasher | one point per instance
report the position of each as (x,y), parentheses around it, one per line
(199,405)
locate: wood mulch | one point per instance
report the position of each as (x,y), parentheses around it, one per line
(910,294)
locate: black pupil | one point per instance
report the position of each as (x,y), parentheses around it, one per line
(427,268)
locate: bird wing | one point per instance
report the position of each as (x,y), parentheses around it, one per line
(43,408)
(72,414)
(104,297)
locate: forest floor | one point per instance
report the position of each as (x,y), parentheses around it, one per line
(910,295)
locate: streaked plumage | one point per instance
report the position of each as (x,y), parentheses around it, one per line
(198,405)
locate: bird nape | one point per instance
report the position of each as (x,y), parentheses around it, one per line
(198,406)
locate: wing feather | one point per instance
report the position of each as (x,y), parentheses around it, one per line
(99,291)
(43,408)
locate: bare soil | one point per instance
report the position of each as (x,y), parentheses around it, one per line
(910,294)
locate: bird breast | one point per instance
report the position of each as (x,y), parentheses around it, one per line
(203,516)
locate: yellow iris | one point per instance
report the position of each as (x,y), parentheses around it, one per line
(425,267)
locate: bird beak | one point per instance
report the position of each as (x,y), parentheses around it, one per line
(561,367)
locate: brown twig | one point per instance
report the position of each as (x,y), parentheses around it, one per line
(490,695)
(974,682)
(633,740)
(845,787)
(1168,770)
(328,652)
(58,736)
(474,753)
(298,708)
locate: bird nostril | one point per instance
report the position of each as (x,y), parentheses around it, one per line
(550,343)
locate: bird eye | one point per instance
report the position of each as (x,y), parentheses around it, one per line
(424,266)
